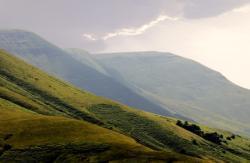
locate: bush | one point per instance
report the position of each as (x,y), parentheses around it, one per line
(179,123)
(231,137)
(7,147)
(194,142)
(213,137)
(193,128)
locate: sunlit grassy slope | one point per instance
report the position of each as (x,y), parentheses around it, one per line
(43,118)
(29,129)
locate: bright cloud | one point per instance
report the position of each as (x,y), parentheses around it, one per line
(140,30)
(243,9)
(132,31)
(89,37)
(221,43)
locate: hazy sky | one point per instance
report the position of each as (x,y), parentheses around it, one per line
(213,32)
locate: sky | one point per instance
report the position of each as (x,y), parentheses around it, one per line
(215,33)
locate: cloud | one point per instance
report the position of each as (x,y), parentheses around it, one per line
(221,42)
(65,21)
(188,9)
(89,37)
(140,30)
(196,9)
(132,31)
(242,9)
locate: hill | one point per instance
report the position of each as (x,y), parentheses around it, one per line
(81,72)
(161,83)
(183,86)
(43,118)
(39,122)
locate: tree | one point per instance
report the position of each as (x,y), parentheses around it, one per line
(179,123)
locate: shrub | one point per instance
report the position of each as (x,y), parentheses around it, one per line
(194,142)
(7,147)
(179,123)
(193,128)
(231,137)
(213,137)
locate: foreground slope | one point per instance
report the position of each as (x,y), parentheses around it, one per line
(71,124)
(51,138)
(34,138)
(37,51)
(183,86)
(44,119)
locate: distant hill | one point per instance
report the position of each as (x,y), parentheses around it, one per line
(161,83)
(80,71)
(183,86)
(43,119)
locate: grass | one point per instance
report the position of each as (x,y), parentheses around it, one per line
(30,128)
(142,129)
(162,133)
(38,111)
(50,138)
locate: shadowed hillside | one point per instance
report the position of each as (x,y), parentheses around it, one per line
(68,67)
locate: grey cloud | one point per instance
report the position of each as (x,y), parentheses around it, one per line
(64,21)
(209,8)
(91,15)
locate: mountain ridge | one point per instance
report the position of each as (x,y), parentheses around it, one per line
(58,62)
(199,81)
(170,85)
(66,124)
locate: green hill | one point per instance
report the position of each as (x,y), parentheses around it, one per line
(45,119)
(83,73)
(183,86)
(42,118)
(161,83)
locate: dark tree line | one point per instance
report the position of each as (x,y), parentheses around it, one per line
(212,137)
(231,137)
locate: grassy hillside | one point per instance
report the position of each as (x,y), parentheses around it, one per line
(80,71)
(184,87)
(43,118)
(37,122)
(33,137)
(161,83)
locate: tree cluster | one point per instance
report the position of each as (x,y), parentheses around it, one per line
(231,137)
(212,137)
